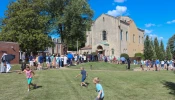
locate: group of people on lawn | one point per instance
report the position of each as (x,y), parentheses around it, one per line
(157,64)
(52,61)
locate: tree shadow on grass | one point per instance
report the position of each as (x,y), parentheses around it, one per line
(87,83)
(169,86)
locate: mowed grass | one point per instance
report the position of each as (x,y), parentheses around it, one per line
(104,66)
(61,84)
(95,66)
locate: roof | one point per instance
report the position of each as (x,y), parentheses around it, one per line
(86,48)
(8,42)
(126,23)
(104,43)
(141,30)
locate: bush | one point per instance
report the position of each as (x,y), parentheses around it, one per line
(139,55)
(124,55)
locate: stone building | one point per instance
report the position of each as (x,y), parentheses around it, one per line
(58,48)
(113,36)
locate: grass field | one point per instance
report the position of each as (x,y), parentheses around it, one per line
(61,84)
(104,66)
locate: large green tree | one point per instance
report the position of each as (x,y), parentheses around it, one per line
(171,43)
(71,19)
(26,23)
(148,49)
(168,53)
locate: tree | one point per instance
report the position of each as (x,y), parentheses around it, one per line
(140,55)
(71,19)
(124,55)
(1,24)
(168,53)
(157,49)
(171,43)
(153,50)
(26,23)
(162,50)
(148,49)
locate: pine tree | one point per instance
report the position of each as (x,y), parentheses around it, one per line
(168,53)
(148,49)
(157,48)
(153,50)
(162,50)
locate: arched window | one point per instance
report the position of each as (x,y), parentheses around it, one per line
(112,51)
(134,38)
(142,40)
(126,36)
(139,39)
(121,34)
(104,35)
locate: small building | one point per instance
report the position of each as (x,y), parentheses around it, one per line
(58,48)
(10,48)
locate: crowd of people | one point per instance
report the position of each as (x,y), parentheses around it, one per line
(157,65)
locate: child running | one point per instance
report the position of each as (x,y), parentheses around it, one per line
(29,75)
(84,75)
(99,89)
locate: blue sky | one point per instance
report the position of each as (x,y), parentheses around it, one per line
(157,17)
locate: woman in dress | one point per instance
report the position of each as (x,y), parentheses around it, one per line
(54,62)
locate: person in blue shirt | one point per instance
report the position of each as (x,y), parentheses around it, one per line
(48,61)
(99,89)
(40,62)
(157,65)
(31,60)
(84,75)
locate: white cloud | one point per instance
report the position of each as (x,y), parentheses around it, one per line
(120,10)
(149,25)
(171,22)
(160,38)
(155,36)
(148,31)
(119,1)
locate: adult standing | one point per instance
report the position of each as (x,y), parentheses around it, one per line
(40,61)
(23,57)
(3,63)
(31,59)
(8,66)
(128,61)
(65,60)
(57,60)
(54,61)
(48,61)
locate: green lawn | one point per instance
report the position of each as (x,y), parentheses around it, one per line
(62,85)
(95,66)
(103,66)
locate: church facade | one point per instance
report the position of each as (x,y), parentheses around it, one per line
(112,36)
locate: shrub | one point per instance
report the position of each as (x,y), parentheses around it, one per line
(124,55)
(140,55)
